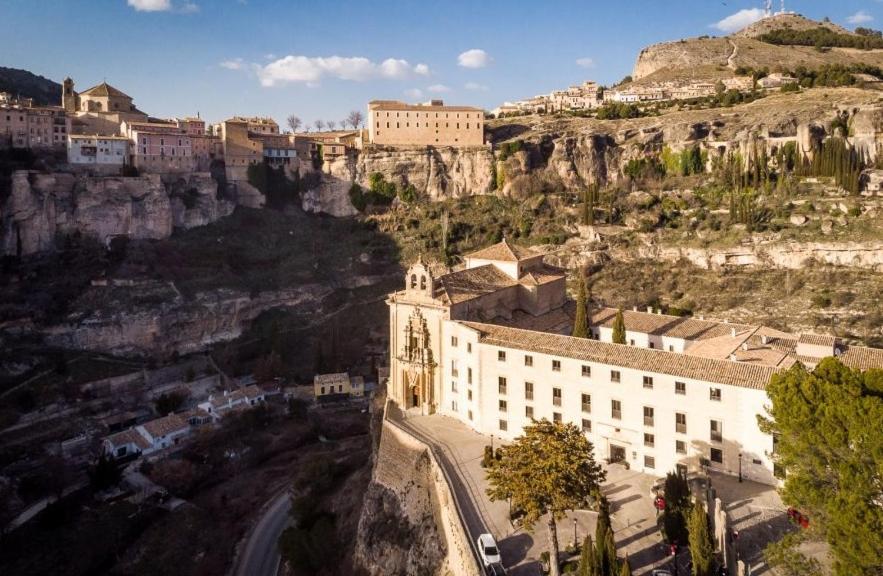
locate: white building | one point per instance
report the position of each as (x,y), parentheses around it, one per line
(84,150)
(243,398)
(338,383)
(489,346)
(148,438)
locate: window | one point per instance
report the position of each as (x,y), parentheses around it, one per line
(671,348)
(528,360)
(631,342)
(717,455)
(469,394)
(648,381)
(587,403)
(652,345)
(504,425)
(454,371)
(649,440)
(322,390)
(470,414)
(614,376)
(528,390)
(453,386)
(501,355)
(528,412)
(681,388)
(556,365)
(454,341)
(501,385)
(616,409)
(454,405)
(556,396)
(680,447)
(649,462)
(469,375)
(587,371)
(648,415)
(503,406)
(714,394)
(469,347)
(587,426)
(556,416)
(716,431)
(680,422)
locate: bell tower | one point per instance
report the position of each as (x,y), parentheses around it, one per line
(68,96)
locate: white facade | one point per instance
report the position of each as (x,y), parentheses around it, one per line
(97,150)
(680,394)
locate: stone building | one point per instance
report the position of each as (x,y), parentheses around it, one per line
(100,109)
(33,127)
(394,123)
(489,345)
(109,153)
(160,147)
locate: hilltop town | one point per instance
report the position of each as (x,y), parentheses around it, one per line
(242,344)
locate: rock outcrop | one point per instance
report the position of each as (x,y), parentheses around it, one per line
(43,206)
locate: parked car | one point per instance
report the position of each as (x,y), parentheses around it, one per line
(495,569)
(488,550)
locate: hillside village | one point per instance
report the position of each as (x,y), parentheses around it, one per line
(203,320)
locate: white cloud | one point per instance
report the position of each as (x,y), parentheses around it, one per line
(310,70)
(476,87)
(150,5)
(739,20)
(474,58)
(414,93)
(860,17)
(585,62)
(421,69)
(233,64)
(438,88)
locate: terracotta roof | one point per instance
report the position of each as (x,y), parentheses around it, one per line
(817,340)
(741,374)
(165,425)
(665,325)
(504,252)
(472,283)
(130,436)
(392,105)
(105,89)
(862,358)
(542,275)
(337,378)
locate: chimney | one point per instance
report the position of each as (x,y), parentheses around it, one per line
(702,316)
(764,339)
(733,357)
(733,332)
(744,345)
(635,308)
(649,309)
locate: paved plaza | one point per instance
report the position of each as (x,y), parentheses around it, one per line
(756,508)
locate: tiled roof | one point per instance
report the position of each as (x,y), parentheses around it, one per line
(165,425)
(665,325)
(817,339)
(104,89)
(337,378)
(504,252)
(130,436)
(862,358)
(542,275)
(708,369)
(471,283)
(403,106)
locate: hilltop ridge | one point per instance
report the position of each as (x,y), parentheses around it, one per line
(26,84)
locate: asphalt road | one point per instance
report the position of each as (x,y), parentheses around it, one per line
(260,557)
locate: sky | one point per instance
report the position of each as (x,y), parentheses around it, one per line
(320,60)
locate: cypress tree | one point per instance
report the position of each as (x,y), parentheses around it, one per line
(580,321)
(701,550)
(588,565)
(626,569)
(619,328)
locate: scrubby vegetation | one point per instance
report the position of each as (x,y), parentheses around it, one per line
(821,37)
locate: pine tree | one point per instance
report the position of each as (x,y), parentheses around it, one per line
(619,328)
(701,550)
(580,321)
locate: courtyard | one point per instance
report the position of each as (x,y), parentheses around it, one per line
(757,512)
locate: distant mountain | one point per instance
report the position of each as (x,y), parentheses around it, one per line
(786,21)
(29,85)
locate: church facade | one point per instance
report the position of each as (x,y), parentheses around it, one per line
(490,346)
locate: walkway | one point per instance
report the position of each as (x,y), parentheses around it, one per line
(633,515)
(260,555)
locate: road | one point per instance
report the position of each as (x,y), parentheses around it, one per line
(260,556)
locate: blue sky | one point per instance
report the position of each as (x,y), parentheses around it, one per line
(320,60)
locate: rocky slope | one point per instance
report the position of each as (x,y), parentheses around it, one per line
(43,206)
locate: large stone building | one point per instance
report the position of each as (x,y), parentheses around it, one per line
(23,126)
(489,345)
(394,123)
(100,109)
(160,147)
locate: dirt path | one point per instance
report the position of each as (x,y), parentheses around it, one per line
(731,60)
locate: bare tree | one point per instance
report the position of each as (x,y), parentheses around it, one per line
(294,123)
(320,125)
(354,119)
(332,124)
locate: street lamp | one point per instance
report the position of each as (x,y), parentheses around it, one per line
(574,532)
(740,466)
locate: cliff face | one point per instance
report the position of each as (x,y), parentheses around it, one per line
(42,206)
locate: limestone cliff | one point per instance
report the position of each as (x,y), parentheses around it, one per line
(43,206)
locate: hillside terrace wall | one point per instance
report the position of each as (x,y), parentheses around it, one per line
(394,468)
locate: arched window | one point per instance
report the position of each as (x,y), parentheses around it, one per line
(423,282)
(413,281)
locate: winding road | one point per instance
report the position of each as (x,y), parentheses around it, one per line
(260,556)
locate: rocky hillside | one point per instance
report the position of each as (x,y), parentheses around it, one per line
(712,58)
(28,85)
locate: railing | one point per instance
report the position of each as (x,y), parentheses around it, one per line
(441,459)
